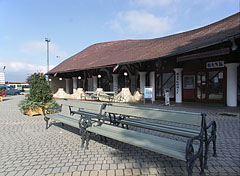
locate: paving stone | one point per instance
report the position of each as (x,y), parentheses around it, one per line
(76,173)
(119,172)
(110,173)
(85,173)
(93,173)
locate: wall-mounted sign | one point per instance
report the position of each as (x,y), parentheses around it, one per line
(216,64)
(177,83)
(189,81)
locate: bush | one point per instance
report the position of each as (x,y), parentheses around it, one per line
(39,94)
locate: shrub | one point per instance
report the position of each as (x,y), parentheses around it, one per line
(39,94)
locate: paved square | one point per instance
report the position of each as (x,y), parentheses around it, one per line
(27,148)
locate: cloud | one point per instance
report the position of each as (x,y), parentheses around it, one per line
(16,68)
(40,47)
(139,22)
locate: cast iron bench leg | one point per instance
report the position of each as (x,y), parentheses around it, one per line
(46,119)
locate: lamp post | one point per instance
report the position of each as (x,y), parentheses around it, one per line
(79,78)
(99,81)
(47,40)
(125,78)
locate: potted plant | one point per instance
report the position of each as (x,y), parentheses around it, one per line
(39,96)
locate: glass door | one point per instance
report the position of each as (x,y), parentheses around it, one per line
(201,86)
(165,81)
(215,85)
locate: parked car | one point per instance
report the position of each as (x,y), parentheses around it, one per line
(2,92)
(11,91)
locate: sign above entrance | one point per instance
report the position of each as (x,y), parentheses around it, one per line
(216,64)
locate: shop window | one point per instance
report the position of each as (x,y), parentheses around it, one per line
(201,85)
(165,81)
(215,85)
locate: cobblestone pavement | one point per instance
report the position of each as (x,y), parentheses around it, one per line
(28,149)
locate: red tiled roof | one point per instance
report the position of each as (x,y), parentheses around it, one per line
(127,51)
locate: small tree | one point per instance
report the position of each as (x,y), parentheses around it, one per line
(39,94)
(39,89)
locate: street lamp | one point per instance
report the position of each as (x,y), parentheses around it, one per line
(99,77)
(125,78)
(47,40)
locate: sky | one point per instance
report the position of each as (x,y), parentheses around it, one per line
(73,25)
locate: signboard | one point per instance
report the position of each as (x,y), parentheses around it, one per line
(167,98)
(216,64)
(148,93)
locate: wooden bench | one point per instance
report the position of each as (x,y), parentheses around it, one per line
(89,113)
(145,114)
(187,151)
(88,123)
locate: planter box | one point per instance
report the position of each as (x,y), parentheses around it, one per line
(32,112)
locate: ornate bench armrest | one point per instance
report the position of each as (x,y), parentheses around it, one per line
(47,110)
(190,156)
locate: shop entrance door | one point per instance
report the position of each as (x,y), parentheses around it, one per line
(210,86)
(201,87)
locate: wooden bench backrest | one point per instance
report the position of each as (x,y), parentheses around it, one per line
(85,105)
(156,114)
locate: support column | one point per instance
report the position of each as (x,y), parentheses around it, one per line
(67,85)
(90,84)
(74,84)
(152,83)
(232,84)
(178,84)
(115,83)
(95,85)
(142,81)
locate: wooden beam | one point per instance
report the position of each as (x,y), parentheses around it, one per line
(212,53)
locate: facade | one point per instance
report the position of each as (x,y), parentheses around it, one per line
(201,65)
(2,78)
(22,86)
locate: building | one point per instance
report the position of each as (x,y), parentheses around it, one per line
(200,65)
(22,86)
(2,78)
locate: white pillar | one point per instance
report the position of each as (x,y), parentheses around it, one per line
(90,84)
(232,84)
(142,81)
(67,85)
(74,84)
(95,79)
(178,84)
(115,83)
(152,83)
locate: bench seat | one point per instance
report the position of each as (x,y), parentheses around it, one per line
(66,119)
(170,129)
(172,148)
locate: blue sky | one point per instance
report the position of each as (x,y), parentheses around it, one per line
(73,25)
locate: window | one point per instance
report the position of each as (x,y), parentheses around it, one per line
(165,81)
(215,85)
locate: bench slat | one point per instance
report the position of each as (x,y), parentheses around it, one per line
(157,114)
(69,120)
(157,144)
(185,132)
